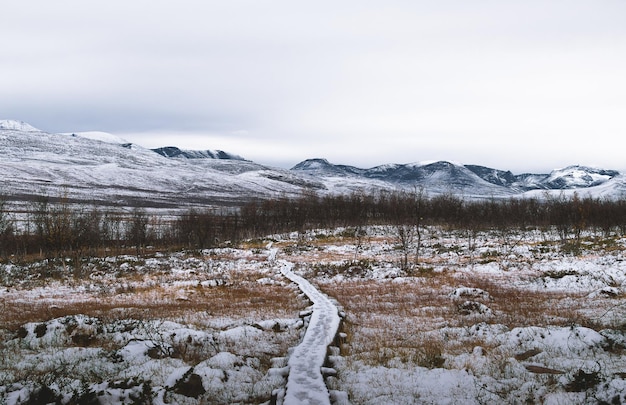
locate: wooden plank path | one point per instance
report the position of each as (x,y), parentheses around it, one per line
(305,382)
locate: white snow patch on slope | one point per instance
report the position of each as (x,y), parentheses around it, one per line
(100,136)
(579,176)
(17,126)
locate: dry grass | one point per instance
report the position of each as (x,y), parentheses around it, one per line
(389,328)
(516,307)
(236,301)
(390,323)
(222,284)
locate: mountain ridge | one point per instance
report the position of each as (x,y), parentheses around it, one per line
(570,177)
(175,152)
(106,169)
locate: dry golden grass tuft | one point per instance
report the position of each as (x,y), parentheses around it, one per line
(399,322)
(227,289)
(385,317)
(241,300)
(516,307)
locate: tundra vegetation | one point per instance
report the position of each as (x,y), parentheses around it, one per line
(54,227)
(475,301)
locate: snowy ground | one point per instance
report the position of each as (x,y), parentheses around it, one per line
(497,317)
(174,328)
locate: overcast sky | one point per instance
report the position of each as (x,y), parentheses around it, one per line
(526,86)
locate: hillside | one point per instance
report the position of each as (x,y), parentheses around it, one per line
(35,163)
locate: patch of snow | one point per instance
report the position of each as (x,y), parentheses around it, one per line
(240,332)
(224,360)
(14,125)
(100,136)
(470,292)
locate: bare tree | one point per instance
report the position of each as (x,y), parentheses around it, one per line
(360,232)
(405,235)
(198,228)
(419,208)
(6,229)
(137,232)
(54,226)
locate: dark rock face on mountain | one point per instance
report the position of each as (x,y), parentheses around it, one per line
(174,152)
(322,168)
(494,176)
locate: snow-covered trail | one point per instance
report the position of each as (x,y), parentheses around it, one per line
(305,384)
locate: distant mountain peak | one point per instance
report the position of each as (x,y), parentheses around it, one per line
(322,167)
(15,125)
(576,176)
(587,169)
(312,164)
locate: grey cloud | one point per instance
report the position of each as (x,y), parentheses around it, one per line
(341,78)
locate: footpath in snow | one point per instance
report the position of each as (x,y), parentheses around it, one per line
(305,383)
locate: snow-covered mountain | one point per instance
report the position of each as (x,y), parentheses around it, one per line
(88,168)
(438,177)
(105,169)
(567,178)
(13,125)
(471,180)
(578,176)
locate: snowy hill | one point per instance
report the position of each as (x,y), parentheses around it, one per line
(100,136)
(17,126)
(92,170)
(103,168)
(578,176)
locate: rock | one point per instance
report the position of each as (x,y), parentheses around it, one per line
(543,370)
(527,354)
(83,339)
(41,329)
(190,385)
(473,307)
(469,292)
